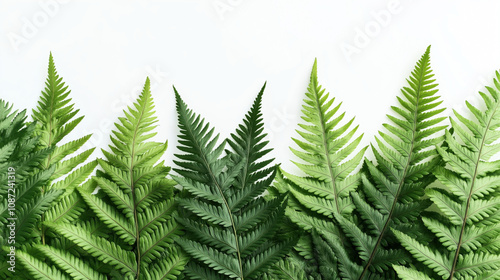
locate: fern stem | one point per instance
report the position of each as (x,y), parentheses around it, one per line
(474,177)
(325,146)
(226,204)
(53,80)
(327,155)
(134,198)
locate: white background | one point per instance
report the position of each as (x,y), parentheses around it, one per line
(218,53)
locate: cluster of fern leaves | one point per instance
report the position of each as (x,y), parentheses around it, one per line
(424,204)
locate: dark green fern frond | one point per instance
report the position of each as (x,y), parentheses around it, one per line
(469,227)
(231,228)
(327,150)
(393,185)
(136,202)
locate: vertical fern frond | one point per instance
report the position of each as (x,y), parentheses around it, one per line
(393,185)
(468,228)
(136,203)
(55,119)
(231,229)
(327,150)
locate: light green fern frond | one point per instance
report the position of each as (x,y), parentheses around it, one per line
(392,188)
(231,229)
(54,118)
(135,202)
(327,150)
(469,228)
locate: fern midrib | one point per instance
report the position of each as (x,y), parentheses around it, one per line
(325,146)
(464,222)
(401,183)
(134,197)
(219,188)
(327,155)
(49,143)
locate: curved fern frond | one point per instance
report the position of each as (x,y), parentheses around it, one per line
(327,150)
(231,229)
(136,202)
(469,225)
(392,188)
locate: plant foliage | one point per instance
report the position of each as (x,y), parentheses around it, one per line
(393,185)
(54,118)
(468,227)
(328,160)
(135,203)
(22,202)
(231,229)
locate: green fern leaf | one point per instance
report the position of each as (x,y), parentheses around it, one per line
(231,229)
(469,221)
(327,149)
(393,186)
(135,201)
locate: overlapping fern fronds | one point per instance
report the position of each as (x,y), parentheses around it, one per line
(393,185)
(468,227)
(22,202)
(54,118)
(327,150)
(135,203)
(231,229)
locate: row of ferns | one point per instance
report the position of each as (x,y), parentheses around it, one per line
(426,207)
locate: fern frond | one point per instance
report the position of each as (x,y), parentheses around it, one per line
(393,185)
(54,118)
(135,201)
(327,150)
(469,224)
(238,237)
